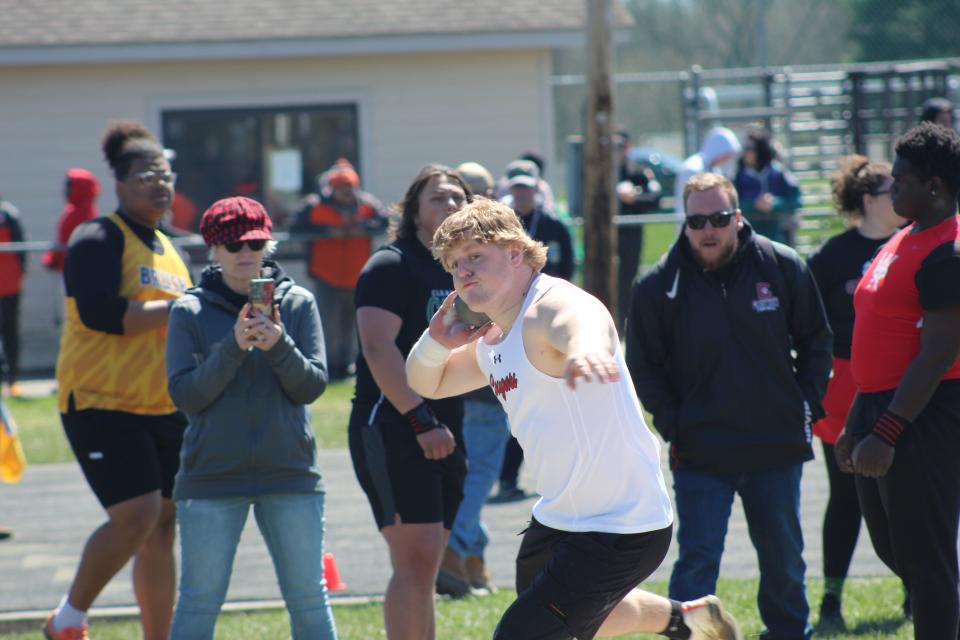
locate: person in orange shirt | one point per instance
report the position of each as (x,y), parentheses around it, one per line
(348,218)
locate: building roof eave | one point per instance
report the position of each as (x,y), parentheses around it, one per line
(278,49)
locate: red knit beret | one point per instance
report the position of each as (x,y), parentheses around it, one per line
(235,219)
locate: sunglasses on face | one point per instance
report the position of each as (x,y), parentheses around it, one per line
(717,220)
(880,192)
(255,245)
(155,177)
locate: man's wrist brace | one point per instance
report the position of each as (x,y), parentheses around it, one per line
(422,419)
(429,352)
(889,427)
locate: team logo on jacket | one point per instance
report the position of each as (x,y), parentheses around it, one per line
(765,301)
(504,385)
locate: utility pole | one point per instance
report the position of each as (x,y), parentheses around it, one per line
(600,239)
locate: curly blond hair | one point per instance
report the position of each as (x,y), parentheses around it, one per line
(487,222)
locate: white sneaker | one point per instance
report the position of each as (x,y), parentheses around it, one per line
(707,620)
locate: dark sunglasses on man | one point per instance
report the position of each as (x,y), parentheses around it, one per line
(717,220)
(236,247)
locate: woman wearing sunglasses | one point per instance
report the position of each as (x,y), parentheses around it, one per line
(245,379)
(861,193)
(121,275)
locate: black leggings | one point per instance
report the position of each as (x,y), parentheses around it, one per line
(912,512)
(10,335)
(841,520)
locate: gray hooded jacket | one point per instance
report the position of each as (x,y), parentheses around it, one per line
(250,431)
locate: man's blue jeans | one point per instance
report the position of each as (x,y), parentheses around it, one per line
(771,504)
(485,434)
(291,525)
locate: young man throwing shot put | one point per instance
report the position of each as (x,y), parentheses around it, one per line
(552,356)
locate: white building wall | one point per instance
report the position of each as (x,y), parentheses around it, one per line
(413,109)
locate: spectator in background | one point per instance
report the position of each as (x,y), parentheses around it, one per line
(485,434)
(273,469)
(719,147)
(861,193)
(729,348)
(121,276)
(769,194)
(938,111)
(544,191)
(348,218)
(13,266)
(408,452)
(637,192)
(523,177)
(82,189)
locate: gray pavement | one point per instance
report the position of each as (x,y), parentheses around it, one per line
(53,511)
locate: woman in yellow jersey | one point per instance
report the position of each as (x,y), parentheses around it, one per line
(121,276)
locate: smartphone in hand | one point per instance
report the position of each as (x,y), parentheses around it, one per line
(470,318)
(261,296)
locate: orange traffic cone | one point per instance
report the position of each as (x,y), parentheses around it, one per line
(332,574)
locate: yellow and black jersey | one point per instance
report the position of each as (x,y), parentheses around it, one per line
(110,261)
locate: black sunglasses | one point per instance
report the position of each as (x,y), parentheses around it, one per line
(255,245)
(717,220)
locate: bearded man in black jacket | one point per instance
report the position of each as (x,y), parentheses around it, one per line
(729,348)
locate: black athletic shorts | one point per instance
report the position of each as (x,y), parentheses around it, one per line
(570,582)
(398,479)
(125,455)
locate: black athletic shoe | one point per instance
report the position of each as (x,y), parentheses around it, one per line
(831,618)
(511,494)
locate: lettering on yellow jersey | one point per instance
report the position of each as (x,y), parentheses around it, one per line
(150,277)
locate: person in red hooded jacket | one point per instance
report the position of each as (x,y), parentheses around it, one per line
(82,191)
(12,269)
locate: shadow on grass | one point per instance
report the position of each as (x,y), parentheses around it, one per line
(864,627)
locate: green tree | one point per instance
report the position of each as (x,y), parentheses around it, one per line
(897,30)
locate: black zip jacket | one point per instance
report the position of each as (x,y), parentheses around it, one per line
(710,356)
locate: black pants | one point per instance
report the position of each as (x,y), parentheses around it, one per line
(512,459)
(841,521)
(10,329)
(912,513)
(569,582)
(629,249)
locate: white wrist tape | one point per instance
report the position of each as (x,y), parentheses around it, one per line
(429,352)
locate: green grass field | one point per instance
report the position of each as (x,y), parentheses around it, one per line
(44,441)
(871,607)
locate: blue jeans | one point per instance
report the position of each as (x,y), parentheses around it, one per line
(485,435)
(771,504)
(338,317)
(291,525)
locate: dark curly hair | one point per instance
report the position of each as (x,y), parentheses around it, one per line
(854,178)
(126,141)
(409,207)
(759,140)
(932,150)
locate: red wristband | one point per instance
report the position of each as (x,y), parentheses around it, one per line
(422,419)
(889,427)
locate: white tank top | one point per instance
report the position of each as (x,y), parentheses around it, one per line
(596,464)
